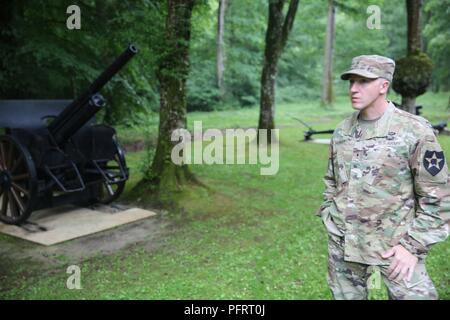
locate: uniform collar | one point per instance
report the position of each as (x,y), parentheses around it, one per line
(381,125)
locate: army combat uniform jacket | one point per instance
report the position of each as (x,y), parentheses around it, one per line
(386,186)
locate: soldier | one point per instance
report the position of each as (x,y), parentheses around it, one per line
(387,191)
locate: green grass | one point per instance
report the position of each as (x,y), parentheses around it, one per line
(249,237)
(320,118)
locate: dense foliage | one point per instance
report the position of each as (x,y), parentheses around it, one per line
(41,58)
(412,75)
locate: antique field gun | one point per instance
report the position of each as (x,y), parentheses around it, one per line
(439,127)
(308,134)
(50,157)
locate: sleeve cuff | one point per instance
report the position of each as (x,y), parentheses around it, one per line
(414,247)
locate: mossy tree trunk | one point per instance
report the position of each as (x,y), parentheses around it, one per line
(412,73)
(278,29)
(172,75)
(413,9)
(414,46)
(409,104)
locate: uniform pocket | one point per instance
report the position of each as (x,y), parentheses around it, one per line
(419,276)
(340,172)
(342,154)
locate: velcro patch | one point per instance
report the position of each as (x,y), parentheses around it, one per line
(433,161)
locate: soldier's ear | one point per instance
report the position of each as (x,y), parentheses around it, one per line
(384,86)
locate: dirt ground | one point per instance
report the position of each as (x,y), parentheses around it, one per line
(20,257)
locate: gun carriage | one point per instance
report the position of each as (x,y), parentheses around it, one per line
(51,155)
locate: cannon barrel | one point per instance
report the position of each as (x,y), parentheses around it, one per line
(79,119)
(83,108)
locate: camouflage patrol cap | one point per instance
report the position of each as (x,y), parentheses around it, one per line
(372,67)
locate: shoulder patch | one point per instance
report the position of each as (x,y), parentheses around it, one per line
(433,161)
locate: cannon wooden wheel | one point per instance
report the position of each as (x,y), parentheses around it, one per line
(18,181)
(83,168)
(111,191)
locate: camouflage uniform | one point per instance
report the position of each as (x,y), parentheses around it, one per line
(385,186)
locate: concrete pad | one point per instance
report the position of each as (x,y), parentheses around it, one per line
(52,226)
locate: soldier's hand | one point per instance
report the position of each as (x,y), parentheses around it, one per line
(403,264)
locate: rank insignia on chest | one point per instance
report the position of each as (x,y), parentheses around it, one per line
(433,161)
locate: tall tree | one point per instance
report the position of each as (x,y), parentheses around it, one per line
(220,46)
(327,80)
(413,74)
(413,9)
(414,44)
(278,29)
(172,75)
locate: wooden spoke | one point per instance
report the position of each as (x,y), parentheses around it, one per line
(4,204)
(16,165)
(20,177)
(13,206)
(18,201)
(21,189)
(17,192)
(110,189)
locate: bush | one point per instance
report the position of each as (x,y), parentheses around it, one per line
(412,75)
(202,98)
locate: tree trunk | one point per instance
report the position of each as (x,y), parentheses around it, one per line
(220,47)
(414,44)
(413,8)
(409,104)
(172,73)
(327,81)
(278,29)
(271,54)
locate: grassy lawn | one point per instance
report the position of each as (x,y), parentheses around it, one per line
(248,237)
(320,118)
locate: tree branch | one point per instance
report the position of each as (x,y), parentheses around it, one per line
(289,21)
